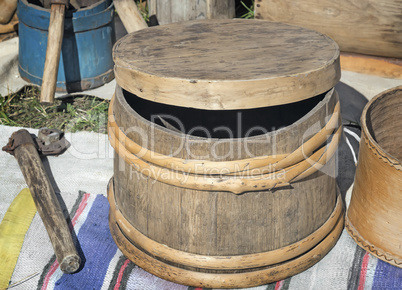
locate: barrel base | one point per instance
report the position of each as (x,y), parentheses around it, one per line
(70,87)
(369,247)
(227,278)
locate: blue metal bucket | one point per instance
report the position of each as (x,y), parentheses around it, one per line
(86,55)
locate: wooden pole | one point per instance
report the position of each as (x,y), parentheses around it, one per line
(22,146)
(130,15)
(54,41)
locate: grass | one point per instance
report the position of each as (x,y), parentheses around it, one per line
(72,114)
(250,10)
(143,8)
(76,113)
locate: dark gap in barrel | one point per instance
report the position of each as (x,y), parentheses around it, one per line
(221,123)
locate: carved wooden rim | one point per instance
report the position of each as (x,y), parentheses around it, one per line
(368,138)
(366,245)
(251,278)
(276,162)
(222,262)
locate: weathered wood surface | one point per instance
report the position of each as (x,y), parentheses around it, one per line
(381,66)
(220,279)
(374,217)
(364,26)
(53,50)
(7,10)
(47,204)
(130,15)
(11,26)
(9,30)
(168,11)
(223,262)
(221,223)
(200,64)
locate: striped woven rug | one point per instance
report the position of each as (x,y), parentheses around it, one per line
(346,267)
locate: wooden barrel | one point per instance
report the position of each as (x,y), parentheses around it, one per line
(362,26)
(374,218)
(225,151)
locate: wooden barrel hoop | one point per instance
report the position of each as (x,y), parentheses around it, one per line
(295,171)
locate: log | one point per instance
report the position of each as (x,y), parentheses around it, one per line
(363,26)
(385,67)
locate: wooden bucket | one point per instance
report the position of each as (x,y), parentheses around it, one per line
(85,60)
(374,218)
(209,210)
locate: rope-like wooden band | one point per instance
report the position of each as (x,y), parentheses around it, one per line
(226,262)
(226,182)
(266,163)
(262,181)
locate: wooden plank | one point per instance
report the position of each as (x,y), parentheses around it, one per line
(380,66)
(218,9)
(130,15)
(169,11)
(275,64)
(364,26)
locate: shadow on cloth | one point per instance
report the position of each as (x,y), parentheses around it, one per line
(352,104)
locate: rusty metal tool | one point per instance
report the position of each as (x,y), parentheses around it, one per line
(26,150)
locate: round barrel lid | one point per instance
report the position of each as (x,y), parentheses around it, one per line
(226,64)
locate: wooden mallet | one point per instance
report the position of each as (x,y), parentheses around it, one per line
(25,150)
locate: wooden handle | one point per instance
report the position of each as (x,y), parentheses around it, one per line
(54,41)
(46,203)
(129,15)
